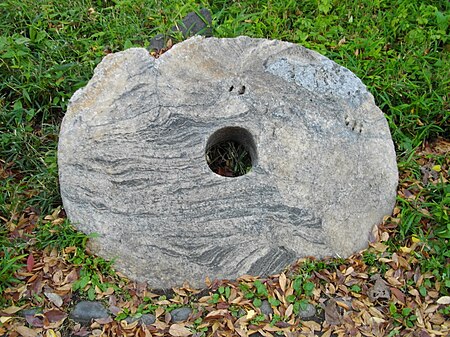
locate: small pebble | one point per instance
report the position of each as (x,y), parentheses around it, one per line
(148,319)
(31,311)
(180,314)
(266,308)
(308,312)
(85,311)
(145,319)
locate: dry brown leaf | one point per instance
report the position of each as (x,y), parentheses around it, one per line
(289,310)
(384,236)
(242,332)
(271,328)
(433,294)
(349,271)
(54,298)
(159,311)
(282,281)
(26,332)
(236,300)
(343,305)
(379,247)
(247,278)
(377,320)
(313,326)
(250,314)
(160,325)
(330,289)
(443,300)
(394,282)
(125,325)
(179,330)
(437,319)
(419,317)
(217,313)
(327,333)
(332,315)
(379,290)
(398,294)
(11,310)
(103,321)
(55,315)
(375,312)
(431,308)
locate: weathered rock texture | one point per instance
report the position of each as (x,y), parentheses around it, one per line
(132,160)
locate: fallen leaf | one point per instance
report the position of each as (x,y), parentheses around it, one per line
(436,168)
(289,310)
(159,311)
(104,320)
(313,326)
(415,239)
(217,313)
(11,310)
(332,315)
(349,271)
(377,320)
(4,319)
(282,281)
(250,314)
(343,305)
(115,310)
(379,290)
(384,236)
(379,247)
(55,315)
(71,277)
(51,333)
(30,262)
(36,321)
(179,330)
(54,298)
(398,294)
(443,300)
(282,324)
(79,330)
(26,332)
(424,333)
(405,249)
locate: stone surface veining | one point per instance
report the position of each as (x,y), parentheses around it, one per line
(132,162)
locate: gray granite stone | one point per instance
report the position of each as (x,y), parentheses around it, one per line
(148,319)
(132,161)
(266,308)
(196,24)
(145,319)
(85,311)
(192,24)
(180,314)
(307,312)
(158,42)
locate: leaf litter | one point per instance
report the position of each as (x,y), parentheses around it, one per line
(378,292)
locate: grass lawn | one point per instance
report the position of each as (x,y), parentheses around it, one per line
(400,50)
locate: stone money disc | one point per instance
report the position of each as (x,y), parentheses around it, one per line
(135,143)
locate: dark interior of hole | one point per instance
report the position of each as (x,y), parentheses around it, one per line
(229,159)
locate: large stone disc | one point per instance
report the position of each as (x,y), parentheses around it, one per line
(132,161)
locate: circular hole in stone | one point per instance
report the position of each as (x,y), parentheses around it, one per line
(231,152)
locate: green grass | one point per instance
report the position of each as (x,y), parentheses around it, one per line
(229,158)
(48,49)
